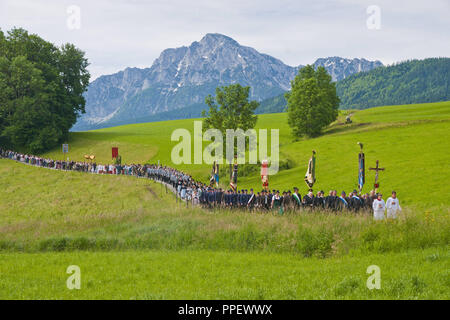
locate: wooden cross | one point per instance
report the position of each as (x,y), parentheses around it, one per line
(377,168)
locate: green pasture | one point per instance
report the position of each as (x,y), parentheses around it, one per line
(48,210)
(223,275)
(133,240)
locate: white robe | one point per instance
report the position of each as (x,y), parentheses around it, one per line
(392,206)
(378,207)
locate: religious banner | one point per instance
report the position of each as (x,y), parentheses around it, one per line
(115,152)
(264,174)
(361,168)
(65,148)
(310,176)
(233,182)
(214,175)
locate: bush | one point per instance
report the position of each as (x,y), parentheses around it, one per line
(317,243)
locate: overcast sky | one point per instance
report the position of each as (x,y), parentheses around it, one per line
(116,34)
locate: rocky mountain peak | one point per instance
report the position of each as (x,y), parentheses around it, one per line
(182,78)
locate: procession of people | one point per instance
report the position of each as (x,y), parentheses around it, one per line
(212,196)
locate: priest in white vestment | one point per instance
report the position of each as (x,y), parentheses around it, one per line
(392,206)
(378,208)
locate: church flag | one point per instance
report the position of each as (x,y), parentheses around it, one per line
(264,174)
(216,175)
(233,180)
(115,152)
(361,169)
(213,175)
(310,176)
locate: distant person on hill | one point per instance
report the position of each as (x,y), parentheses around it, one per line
(392,206)
(348,119)
(378,207)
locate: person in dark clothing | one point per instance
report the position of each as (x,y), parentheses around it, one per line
(319,201)
(308,200)
(342,202)
(296,199)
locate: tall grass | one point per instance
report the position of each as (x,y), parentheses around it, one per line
(317,234)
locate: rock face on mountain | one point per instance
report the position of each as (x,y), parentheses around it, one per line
(341,68)
(182,77)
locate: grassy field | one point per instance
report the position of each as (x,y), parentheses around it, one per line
(223,275)
(57,211)
(132,240)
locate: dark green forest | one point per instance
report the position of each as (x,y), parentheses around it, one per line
(414,81)
(41,91)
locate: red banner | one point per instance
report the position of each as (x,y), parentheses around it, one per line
(115,152)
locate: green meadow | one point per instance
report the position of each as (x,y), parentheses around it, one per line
(223,275)
(133,240)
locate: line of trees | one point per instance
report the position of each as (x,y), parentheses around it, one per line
(41,90)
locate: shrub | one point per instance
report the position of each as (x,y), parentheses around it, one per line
(318,243)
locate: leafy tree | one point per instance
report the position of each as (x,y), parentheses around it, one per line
(312,103)
(230,109)
(41,91)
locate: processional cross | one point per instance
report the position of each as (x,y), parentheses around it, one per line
(377,168)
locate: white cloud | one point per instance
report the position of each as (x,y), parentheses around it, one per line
(116,33)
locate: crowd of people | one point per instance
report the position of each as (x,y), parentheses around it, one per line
(210,196)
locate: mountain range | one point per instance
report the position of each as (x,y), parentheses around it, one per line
(178,81)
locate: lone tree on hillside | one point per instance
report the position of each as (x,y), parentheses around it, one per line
(230,109)
(312,103)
